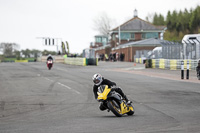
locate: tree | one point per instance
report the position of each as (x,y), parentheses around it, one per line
(26,53)
(35,52)
(194,23)
(158,19)
(46,52)
(9,48)
(185,20)
(174,19)
(103,23)
(155,19)
(162,20)
(150,17)
(168,21)
(17,54)
(179,24)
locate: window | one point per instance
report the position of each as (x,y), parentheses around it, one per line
(104,41)
(113,36)
(98,39)
(125,36)
(150,35)
(133,36)
(143,36)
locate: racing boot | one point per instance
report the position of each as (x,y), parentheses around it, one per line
(127,101)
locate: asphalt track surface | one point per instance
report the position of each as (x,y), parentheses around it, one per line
(34,99)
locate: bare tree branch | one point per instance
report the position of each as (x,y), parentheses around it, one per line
(103,24)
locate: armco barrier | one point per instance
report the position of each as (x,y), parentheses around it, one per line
(81,61)
(153,63)
(75,61)
(171,64)
(137,60)
(91,61)
(71,60)
(162,64)
(21,60)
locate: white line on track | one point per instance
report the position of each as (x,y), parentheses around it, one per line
(69,88)
(62,69)
(49,79)
(77,91)
(65,86)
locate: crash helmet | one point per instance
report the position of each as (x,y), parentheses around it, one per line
(97,79)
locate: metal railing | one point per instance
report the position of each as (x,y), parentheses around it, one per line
(173,50)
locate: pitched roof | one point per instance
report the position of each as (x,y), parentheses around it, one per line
(146,42)
(136,24)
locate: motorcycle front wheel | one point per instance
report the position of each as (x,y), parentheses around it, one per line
(131,112)
(114,107)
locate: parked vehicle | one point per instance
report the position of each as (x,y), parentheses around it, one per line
(191,46)
(156,53)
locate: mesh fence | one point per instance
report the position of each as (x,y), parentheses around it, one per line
(173,50)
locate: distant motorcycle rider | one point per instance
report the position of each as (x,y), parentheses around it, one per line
(99,80)
(49,57)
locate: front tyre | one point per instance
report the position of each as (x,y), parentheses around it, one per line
(49,66)
(131,112)
(114,107)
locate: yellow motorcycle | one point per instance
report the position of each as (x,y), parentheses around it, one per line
(114,101)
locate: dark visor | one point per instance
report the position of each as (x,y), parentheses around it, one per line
(96,81)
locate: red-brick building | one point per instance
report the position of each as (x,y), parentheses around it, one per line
(129,38)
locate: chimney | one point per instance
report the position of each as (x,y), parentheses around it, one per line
(135,13)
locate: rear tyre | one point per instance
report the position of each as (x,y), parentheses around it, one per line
(114,107)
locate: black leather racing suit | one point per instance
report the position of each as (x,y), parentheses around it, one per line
(49,58)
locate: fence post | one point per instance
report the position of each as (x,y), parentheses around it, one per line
(188,67)
(182,70)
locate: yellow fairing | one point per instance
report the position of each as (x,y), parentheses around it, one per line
(104,94)
(124,108)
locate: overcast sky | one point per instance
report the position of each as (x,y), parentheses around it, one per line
(21,21)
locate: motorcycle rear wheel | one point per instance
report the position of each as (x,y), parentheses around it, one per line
(116,110)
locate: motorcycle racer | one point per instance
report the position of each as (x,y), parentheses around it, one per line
(49,57)
(99,80)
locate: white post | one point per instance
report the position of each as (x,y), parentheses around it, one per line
(119,36)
